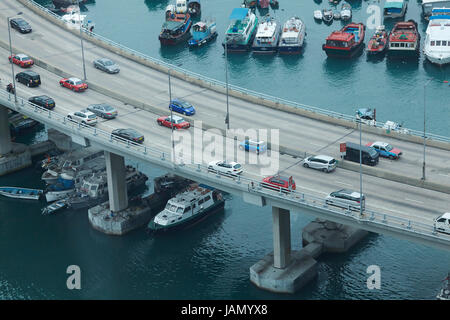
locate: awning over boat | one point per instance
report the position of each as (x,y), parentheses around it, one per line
(239,13)
(172,25)
(393,5)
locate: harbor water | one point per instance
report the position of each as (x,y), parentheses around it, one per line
(211,260)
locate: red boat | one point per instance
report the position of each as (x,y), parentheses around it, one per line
(378,42)
(346,42)
(404,40)
(176,29)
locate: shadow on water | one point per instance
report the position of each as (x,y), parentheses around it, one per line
(264,60)
(435,71)
(155,5)
(342,66)
(399,68)
(174,53)
(356,4)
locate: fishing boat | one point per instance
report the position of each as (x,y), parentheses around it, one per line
(202,33)
(249,3)
(175,29)
(267,36)
(292,36)
(346,11)
(192,7)
(394,9)
(444,293)
(437,39)
(346,42)
(429,5)
(56,206)
(21,193)
(263,4)
(404,40)
(336,16)
(327,16)
(241,31)
(189,207)
(379,42)
(64,186)
(318,15)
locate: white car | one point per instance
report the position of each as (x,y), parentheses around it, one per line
(346,199)
(442,223)
(224,167)
(83,116)
(320,162)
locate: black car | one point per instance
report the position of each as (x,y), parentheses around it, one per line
(43,101)
(21,25)
(29,78)
(129,134)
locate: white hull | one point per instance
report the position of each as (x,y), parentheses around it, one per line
(57,195)
(441,60)
(19,196)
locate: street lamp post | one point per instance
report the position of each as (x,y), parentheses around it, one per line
(424,121)
(171,118)
(227,118)
(10,52)
(82,45)
(360,170)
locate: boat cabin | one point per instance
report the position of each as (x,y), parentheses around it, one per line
(404,37)
(341,39)
(429,5)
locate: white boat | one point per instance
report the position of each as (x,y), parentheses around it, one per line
(21,193)
(437,39)
(346,12)
(58,205)
(318,15)
(187,208)
(267,36)
(429,5)
(444,293)
(292,36)
(75,18)
(336,16)
(241,31)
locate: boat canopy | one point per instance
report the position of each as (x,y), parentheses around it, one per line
(172,25)
(239,13)
(393,5)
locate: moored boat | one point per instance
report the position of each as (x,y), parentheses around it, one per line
(444,293)
(175,29)
(21,193)
(394,9)
(404,40)
(202,33)
(267,36)
(327,16)
(437,39)
(56,206)
(346,11)
(429,5)
(378,43)
(292,36)
(187,208)
(65,185)
(263,4)
(241,31)
(318,15)
(346,42)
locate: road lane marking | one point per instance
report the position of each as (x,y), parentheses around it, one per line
(344,183)
(417,201)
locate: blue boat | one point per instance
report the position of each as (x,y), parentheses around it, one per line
(21,193)
(202,32)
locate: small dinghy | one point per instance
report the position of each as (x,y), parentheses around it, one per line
(327,16)
(336,16)
(21,193)
(346,12)
(56,206)
(318,15)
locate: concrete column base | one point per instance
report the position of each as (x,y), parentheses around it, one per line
(301,270)
(332,236)
(18,158)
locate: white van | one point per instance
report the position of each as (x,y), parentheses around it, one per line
(442,223)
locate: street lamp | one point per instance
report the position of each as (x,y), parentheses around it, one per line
(10,52)
(171,118)
(424,121)
(360,170)
(81,39)
(227,118)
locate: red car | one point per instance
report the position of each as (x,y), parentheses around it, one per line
(177,122)
(21,60)
(74,84)
(278,182)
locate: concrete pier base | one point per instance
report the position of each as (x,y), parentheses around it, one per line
(333,237)
(301,269)
(121,222)
(62,141)
(18,158)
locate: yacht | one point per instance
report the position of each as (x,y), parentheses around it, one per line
(267,36)
(241,31)
(437,39)
(429,5)
(292,36)
(195,204)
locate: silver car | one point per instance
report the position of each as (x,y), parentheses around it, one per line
(345,198)
(106,65)
(320,162)
(103,110)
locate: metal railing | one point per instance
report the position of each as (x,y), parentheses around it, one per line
(238,183)
(244,91)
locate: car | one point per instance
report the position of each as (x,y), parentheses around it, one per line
(277,182)
(385,149)
(103,110)
(225,167)
(21,25)
(106,65)
(129,134)
(29,78)
(83,116)
(320,162)
(21,60)
(74,84)
(181,106)
(250,145)
(43,101)
(176,121)
(345,198)
(442,223)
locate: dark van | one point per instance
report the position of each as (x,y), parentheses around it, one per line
(29,78)
(369,155)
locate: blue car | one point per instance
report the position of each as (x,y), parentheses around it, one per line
(181,106)
(255,146)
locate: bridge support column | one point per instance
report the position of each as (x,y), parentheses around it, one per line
(283,270)
(5,136)
(117,187)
